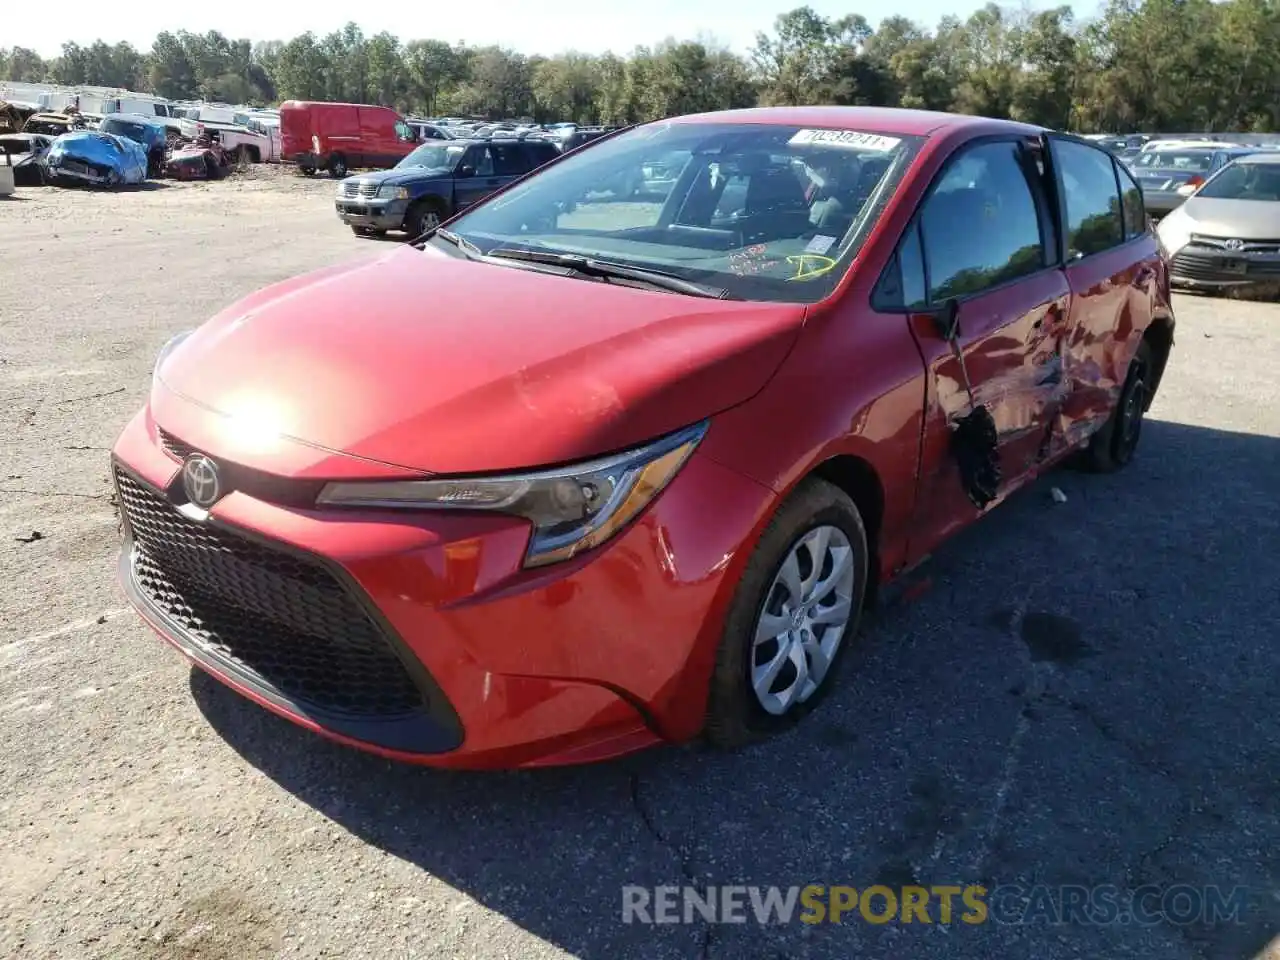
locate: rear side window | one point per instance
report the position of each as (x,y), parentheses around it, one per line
(1091,198)
(509,160)
(1132,208)
(979,225)
(541,153)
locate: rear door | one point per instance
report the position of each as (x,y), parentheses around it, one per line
(984,237)
(1113,268)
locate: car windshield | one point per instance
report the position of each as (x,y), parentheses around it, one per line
(123,128)
(1193,160)
(434,156)
(1244,181)
(764,211)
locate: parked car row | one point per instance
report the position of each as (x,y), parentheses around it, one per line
(1216,199)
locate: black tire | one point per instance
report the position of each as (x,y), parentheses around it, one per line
(735,715)
(1112,447)
(306,171)
(338,166)
(422,216)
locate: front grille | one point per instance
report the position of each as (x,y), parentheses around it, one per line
(1246,246)
(1190,264)
(352,188)
(173,446)
(282,622)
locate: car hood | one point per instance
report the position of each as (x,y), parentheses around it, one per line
(420,360)
(1245,219)
(403,176)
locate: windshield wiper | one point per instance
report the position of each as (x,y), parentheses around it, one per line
(587,266)
(469,249)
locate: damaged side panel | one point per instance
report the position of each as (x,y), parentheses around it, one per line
(1009,339)
(1115,294)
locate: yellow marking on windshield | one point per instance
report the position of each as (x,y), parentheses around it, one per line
(809,266)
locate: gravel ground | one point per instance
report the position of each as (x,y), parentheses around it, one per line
(1080,693)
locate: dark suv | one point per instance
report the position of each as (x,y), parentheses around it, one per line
(434,182)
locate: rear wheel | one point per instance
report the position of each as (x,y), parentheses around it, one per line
(1112,447)
(794,613)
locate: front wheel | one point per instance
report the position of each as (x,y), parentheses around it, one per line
(337,166)
(424,215)
(1112,447)
(794,613)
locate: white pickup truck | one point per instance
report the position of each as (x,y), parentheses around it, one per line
(241,135)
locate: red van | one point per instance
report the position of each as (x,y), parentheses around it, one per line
(338,136)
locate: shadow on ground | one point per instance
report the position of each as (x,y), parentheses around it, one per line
(1085,696)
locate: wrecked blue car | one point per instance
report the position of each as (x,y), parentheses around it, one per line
(100,159)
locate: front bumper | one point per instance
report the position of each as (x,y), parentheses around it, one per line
(589,659)
(1196,266)
(371,212)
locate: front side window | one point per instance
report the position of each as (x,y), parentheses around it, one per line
(1091,199)
(980,226)
(481,161)
(767,212)
(1244,181)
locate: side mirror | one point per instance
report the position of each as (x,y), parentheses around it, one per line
(947,319)
(466,170)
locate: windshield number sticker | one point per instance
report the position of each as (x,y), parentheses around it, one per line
(820,244)
(844,138)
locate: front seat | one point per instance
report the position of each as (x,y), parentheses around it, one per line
(775,207)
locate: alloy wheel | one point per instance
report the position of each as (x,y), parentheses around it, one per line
(803,620)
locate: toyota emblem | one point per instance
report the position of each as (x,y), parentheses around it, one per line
(1234,244)
(200,480)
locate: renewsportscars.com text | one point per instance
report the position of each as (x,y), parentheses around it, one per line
(1011,904)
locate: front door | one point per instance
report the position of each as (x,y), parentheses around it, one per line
(483,178)
(984,238)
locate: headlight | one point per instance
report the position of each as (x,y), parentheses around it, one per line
(168,348)
(572,508)
(395,193)
(1174,232)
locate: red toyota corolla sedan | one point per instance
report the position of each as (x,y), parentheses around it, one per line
(618,456)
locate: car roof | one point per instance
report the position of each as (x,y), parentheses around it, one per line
(131,118)
(890,120)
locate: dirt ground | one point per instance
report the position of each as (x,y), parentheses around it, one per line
(1086,695)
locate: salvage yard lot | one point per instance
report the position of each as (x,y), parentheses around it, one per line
(1087,694)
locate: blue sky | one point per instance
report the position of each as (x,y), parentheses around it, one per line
(531,26)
